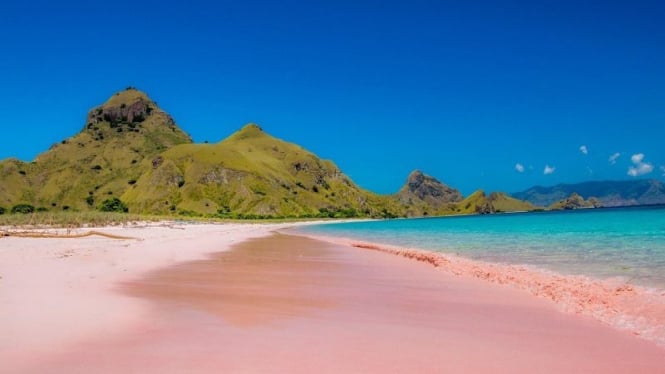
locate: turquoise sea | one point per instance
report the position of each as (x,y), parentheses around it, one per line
(628,243)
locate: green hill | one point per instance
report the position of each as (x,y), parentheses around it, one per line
(132,150)
(101,161)
(250,173)
(481,203)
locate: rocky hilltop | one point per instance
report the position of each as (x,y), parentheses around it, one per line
(96,163)
(426,192)
(424,195)
(132,151)
(575,201)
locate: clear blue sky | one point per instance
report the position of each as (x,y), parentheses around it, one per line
(463,90)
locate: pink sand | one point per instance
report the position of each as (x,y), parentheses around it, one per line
(292,304)
(278,304)
(638,310)
(57,292)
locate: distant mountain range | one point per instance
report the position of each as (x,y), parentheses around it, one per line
(608,193)
(132,151)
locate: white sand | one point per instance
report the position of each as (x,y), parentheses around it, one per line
(56,292)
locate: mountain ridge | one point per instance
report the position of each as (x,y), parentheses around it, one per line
(609,193)
(130,149)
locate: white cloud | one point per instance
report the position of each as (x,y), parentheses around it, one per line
(637,158)
(519,167)
(639,166)
(549,170)
(640,169)
(613,159)
(584,149)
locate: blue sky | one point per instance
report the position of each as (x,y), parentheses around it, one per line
(464,91)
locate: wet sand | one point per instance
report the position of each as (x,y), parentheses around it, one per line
(634,309)
(57,291)
(292,304)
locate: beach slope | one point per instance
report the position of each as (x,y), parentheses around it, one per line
(279,303)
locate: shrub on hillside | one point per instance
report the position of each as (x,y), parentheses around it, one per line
(332,212)
(386,214)
(113,205)
(2,210)
(23,209)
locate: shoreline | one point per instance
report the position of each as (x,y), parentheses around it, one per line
(626,307)
(147,304)
(284,303)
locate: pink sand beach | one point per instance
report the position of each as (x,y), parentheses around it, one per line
(241,298)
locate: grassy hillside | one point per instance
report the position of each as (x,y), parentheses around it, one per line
(132,150)
(101,161)
(504,203)
(250,173)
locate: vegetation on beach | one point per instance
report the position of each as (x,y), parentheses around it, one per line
(99,219)
(72,219)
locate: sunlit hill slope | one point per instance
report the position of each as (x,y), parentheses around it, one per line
(132,150)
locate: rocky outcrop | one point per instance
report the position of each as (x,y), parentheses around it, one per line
(575,201)
(124,114)
(485,208)
(127,112)
(420,187)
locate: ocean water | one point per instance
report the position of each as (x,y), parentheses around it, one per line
(624,243)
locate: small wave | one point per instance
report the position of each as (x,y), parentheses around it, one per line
(615,302)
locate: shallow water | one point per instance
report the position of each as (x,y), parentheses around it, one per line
(628,243)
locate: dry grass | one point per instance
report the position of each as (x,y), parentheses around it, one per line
(73,219)
(44,220)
